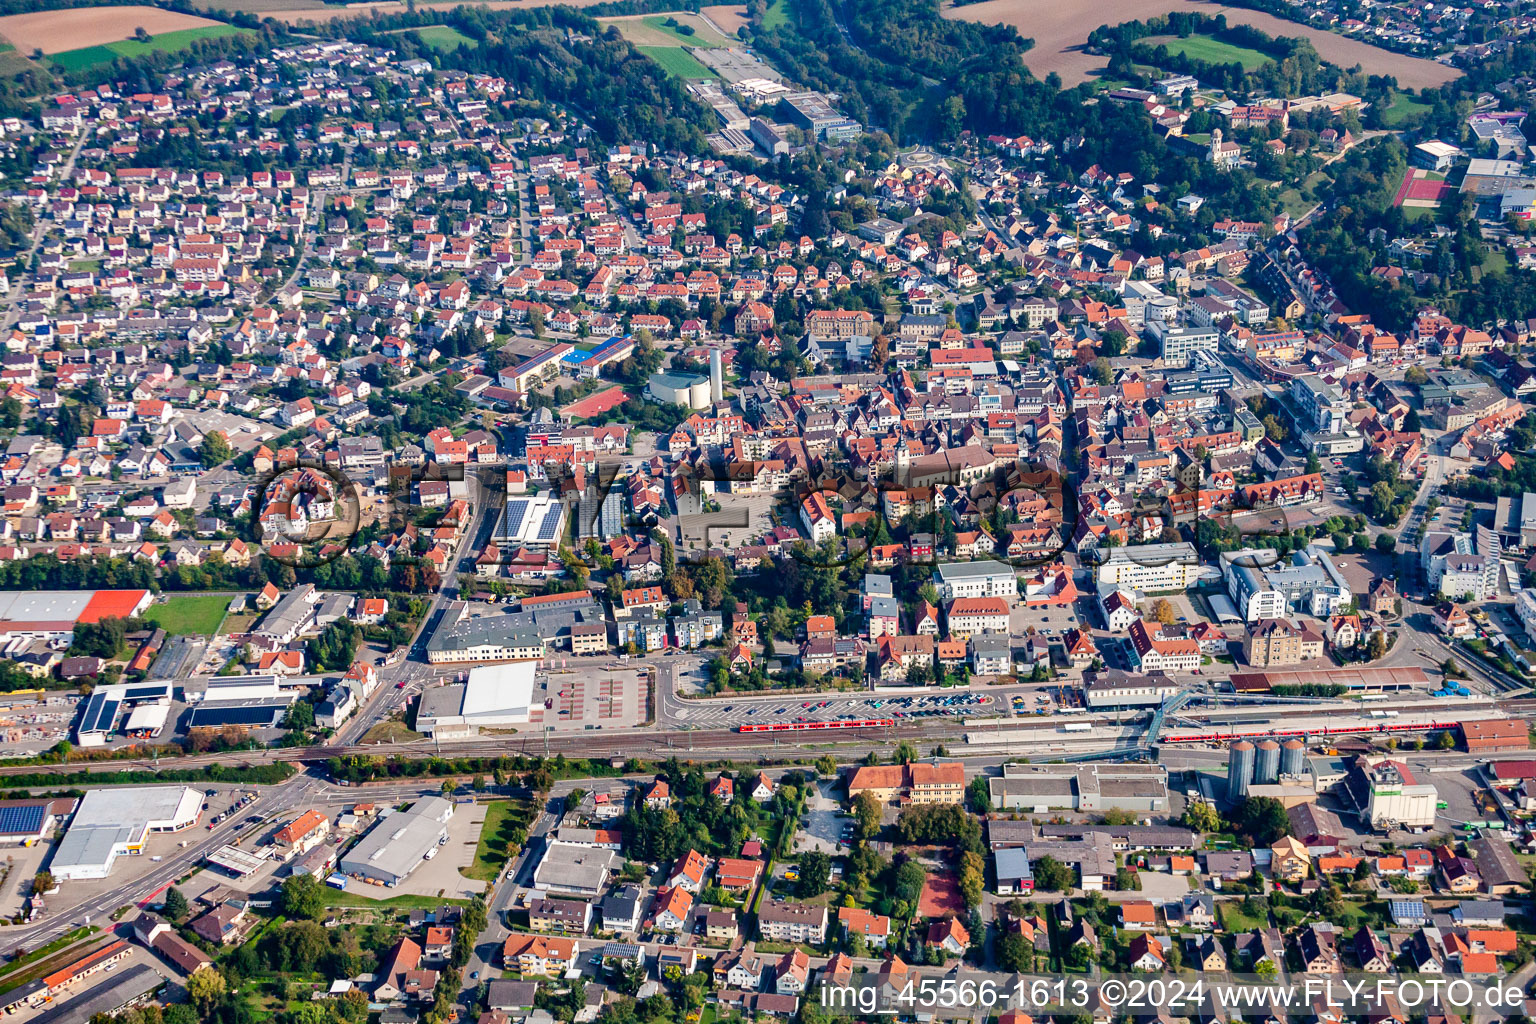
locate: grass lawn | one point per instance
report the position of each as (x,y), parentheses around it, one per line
(391,732)
(1211,50)
(443,38)
(165,42)
(776,16)
(1235,919)
(1403,108)
(1418,213)
(1294,203)
(83,265)
(1495,261)
(408,901)
(196,614)
(674,60)
(506,825)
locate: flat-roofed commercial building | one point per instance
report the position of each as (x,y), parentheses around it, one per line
(484,638)
(134,985)
(1083,787)
(110,823)
(1151,567)
(577,870)
(398,844)
(494,697)
(48,614)
(987,578)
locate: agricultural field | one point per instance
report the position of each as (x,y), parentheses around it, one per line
(730,17)
(78,28)
(1211,50)
(165,42)
(190,614)
(1059,31)
(675,60)
(668,30)
(298,13)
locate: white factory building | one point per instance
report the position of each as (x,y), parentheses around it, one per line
(1387,796)
(114,822)
(493,697)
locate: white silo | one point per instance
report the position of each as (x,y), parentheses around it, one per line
(716,377)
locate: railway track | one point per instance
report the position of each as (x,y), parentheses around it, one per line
(683,743)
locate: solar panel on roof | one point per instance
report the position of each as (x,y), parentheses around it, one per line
(551,523)
(22,820)
(515,514)
(99,715)
(256,716)
(140,692)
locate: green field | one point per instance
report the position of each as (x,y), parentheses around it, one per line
(190,614)
(165,42)
(777,15)
(502,835)
(443,38)
(1404,108)
(674,60)
(658,23)
(1211,50)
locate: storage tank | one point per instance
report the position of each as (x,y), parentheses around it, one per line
(1293,757)
(1239,770)
(716,377)
(1266,768)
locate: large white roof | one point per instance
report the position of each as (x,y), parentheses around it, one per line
(499,690)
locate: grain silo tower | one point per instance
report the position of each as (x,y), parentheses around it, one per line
(1239,770)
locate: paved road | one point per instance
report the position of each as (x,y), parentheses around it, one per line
(39,229)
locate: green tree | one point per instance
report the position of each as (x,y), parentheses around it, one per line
(1262,819)
(815,874)
(176,906)
(1200,816)
(980,795)
(214,450)
(1014,953)
(205,990)
(867,812)
(43,882)
(1051,875)
(303,898)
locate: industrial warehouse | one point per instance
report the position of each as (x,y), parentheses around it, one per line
(48,614)
(493,697)
(398,844)
(111,823)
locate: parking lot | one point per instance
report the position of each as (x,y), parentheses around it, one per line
(826,828)
(587,698)
(724,712)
